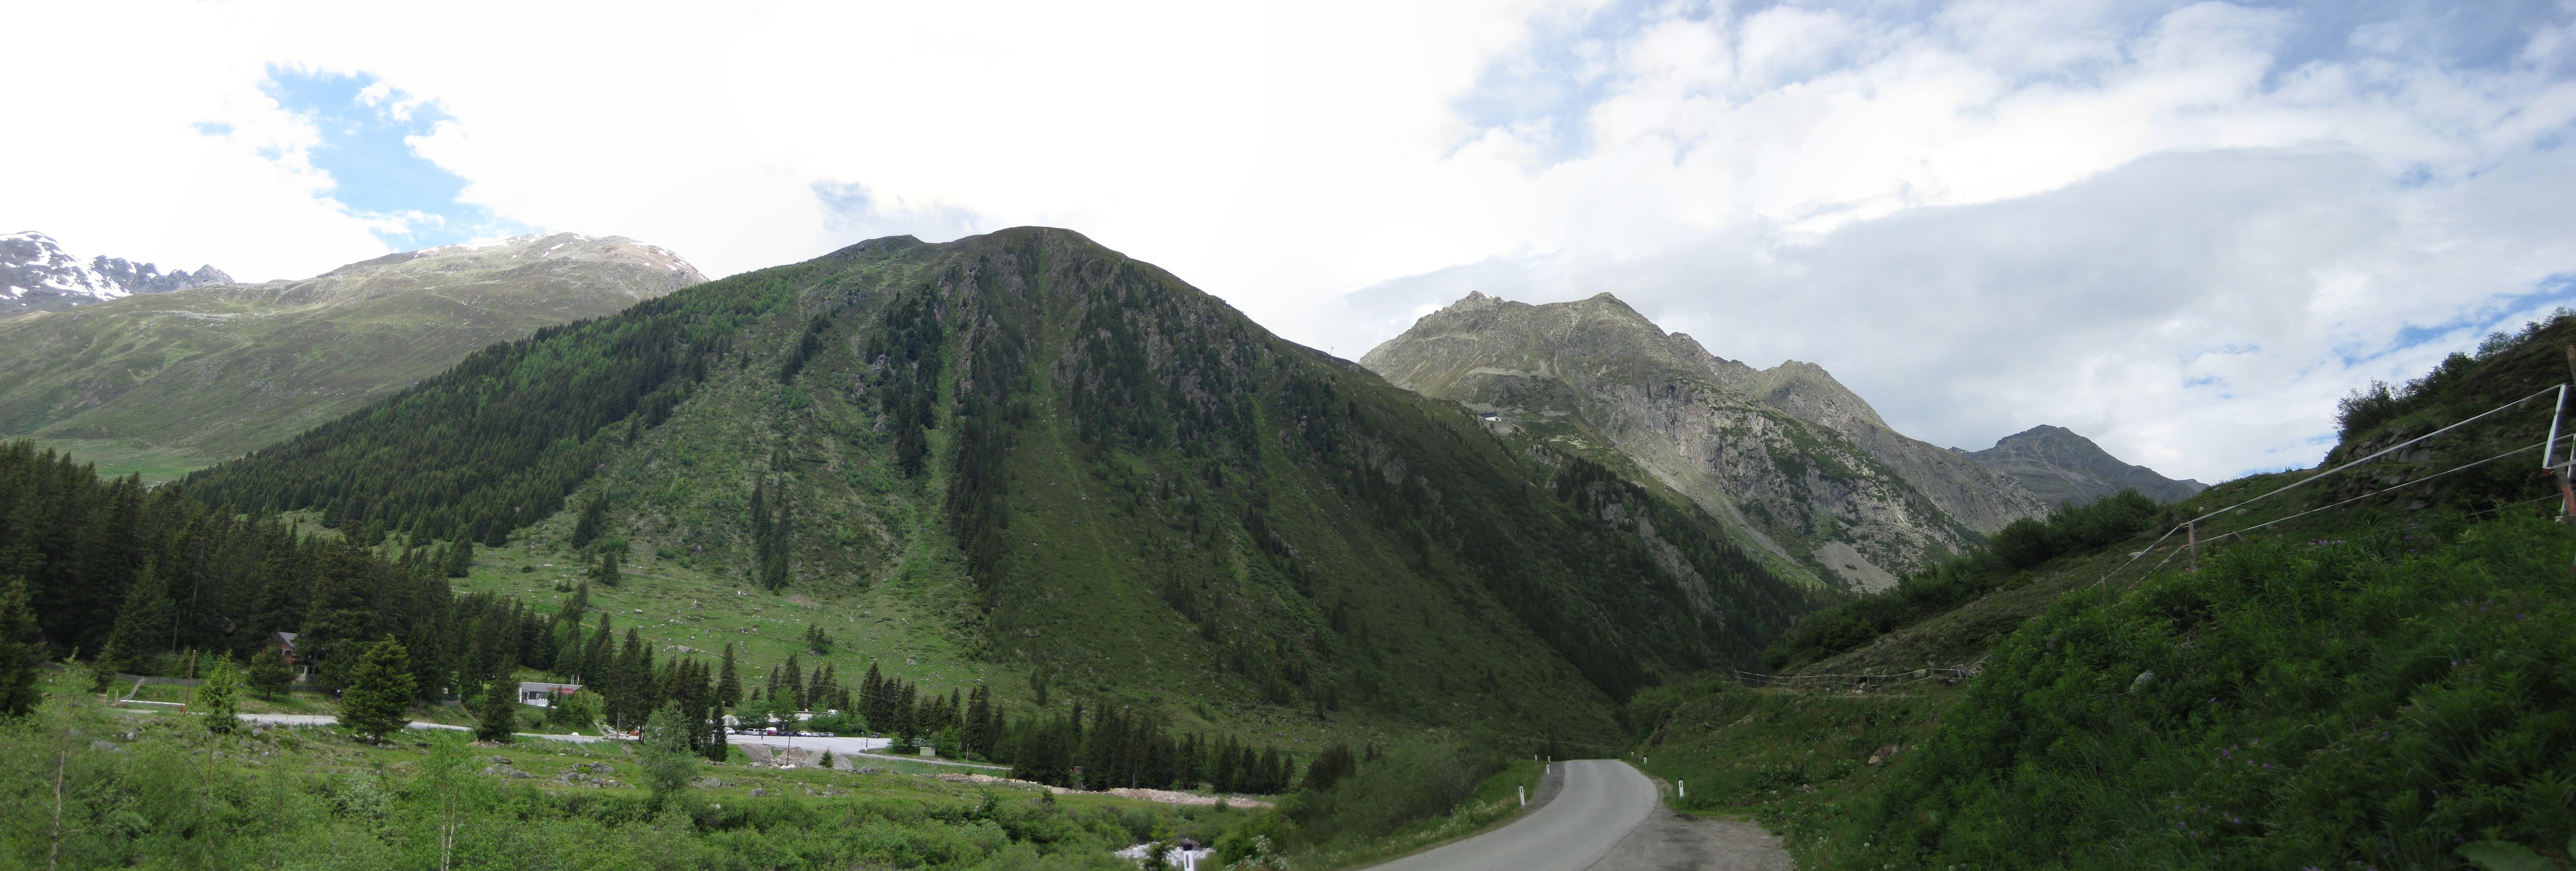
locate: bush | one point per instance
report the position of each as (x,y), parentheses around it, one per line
(577,711)
(1409,783)
(2372,704)
(1330,766)
(218,700)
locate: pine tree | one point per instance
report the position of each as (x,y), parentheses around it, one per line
(142,625)
(907,731)
(21,647)
(379,691)
(219,698)
(600,656)
(978,734)
(499,718)
(872,702)
(794,675)
(460,559)
(1330,766)
(729,681)
(606,571)
(629,687)
(594,519)
(269,675)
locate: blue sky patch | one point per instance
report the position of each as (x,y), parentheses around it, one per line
(2493,315)
(377,175)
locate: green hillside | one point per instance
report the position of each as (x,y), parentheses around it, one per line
(1024,456)
(2365,671)
(164,383)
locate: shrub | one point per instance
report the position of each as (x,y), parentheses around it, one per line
(2375,704)
(218,700)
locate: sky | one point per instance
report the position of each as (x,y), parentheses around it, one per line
(2182,229)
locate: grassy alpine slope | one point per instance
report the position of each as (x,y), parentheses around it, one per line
(2377,685)
(1078,468)
(164,383)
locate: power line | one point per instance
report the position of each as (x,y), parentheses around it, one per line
(2188,524)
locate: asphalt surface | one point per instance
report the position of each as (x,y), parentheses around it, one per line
(1598,804)
(1670,840)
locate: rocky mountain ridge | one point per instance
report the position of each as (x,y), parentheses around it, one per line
(1794,463)
(37,275)
(2061,467)
(164,381)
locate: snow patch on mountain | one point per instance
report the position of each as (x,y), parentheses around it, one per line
(41,276)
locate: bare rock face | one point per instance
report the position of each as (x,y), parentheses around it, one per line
(2061,467)
(1791,461)
(37,276)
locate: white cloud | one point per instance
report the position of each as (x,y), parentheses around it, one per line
(2313,178)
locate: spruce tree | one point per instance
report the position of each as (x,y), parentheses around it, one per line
(219,698)
(594,520)
(872,706)
(607,571)
(460,559)
(379,690)
(269,675)
(795,677)
(978,735)
(142,625)
(500,714)
(21,646)
(728,682)
(906,728)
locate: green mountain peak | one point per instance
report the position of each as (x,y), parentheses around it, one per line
(1087,471)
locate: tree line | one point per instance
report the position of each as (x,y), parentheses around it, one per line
(1118,747)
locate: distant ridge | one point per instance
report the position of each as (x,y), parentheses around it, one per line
(1794,464)
(161,382)
(2061,467)
(37,275)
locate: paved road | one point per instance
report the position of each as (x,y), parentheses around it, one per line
(1670,840)
(1600,802)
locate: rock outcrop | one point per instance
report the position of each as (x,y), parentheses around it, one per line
(1798,466)
(37,275)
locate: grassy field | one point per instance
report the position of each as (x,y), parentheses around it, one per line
(119,457)
(155,788)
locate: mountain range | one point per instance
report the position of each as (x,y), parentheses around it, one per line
(1798,468)
(1050,459)
(164,377)
(36,275)
(1053,460)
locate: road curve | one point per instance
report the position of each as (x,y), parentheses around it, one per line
(1600,801)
